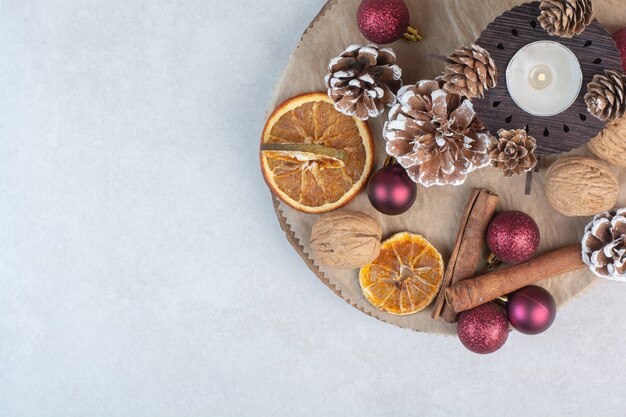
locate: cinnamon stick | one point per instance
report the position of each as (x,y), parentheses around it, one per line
(468,247)
(471,293)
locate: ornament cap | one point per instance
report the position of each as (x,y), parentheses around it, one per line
(493,261)
(412,35)
(390,161)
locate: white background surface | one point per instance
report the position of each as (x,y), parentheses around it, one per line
(142,269)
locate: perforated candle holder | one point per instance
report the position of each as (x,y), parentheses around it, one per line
(503,38)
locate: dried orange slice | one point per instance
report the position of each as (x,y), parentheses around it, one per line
(406,276)
(314,158)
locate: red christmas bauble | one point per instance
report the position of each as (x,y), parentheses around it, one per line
(383,21)
(513,237)
(531,310)
(391,191)
(620,40)
(483,329)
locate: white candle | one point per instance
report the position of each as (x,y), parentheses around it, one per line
(544,78)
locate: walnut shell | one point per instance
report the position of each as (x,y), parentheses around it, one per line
(346,240)
(610,144)
(577,186)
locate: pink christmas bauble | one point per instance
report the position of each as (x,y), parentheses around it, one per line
(383,21)
(391,191)
(513,237)
(531,310)
(483,329)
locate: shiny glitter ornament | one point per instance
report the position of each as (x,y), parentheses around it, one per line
(513,237)
(531,310)
(390,189)
(620,40)
(385,21)
(483,329)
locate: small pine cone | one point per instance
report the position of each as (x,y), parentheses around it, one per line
(565,18)
(514,153)
(363,80)
(472,73)
(606,96)
(436,135)
(604,245)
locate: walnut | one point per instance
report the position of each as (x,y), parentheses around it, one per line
(346,240)
(610,144)
(577,186)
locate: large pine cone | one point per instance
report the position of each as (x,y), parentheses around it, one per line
(472,73)
(436,135)
(565,18)
(363,80)
(514,153)
(606,95)
(604,245)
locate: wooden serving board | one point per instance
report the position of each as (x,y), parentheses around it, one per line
(445,25)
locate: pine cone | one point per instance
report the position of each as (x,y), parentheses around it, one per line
(604,245)
(606,96)
(514,153)
(436,135)
(363,80)
(472,73)
(565,18)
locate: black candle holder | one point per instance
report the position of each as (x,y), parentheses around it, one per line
(507,34)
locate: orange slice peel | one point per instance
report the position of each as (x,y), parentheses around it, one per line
(314,158)
(406,276)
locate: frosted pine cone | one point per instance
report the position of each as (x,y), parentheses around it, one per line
(606,96)
(514,153)
(565,18)
(604,245)
(436,135)
(472,73)
(363,80)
